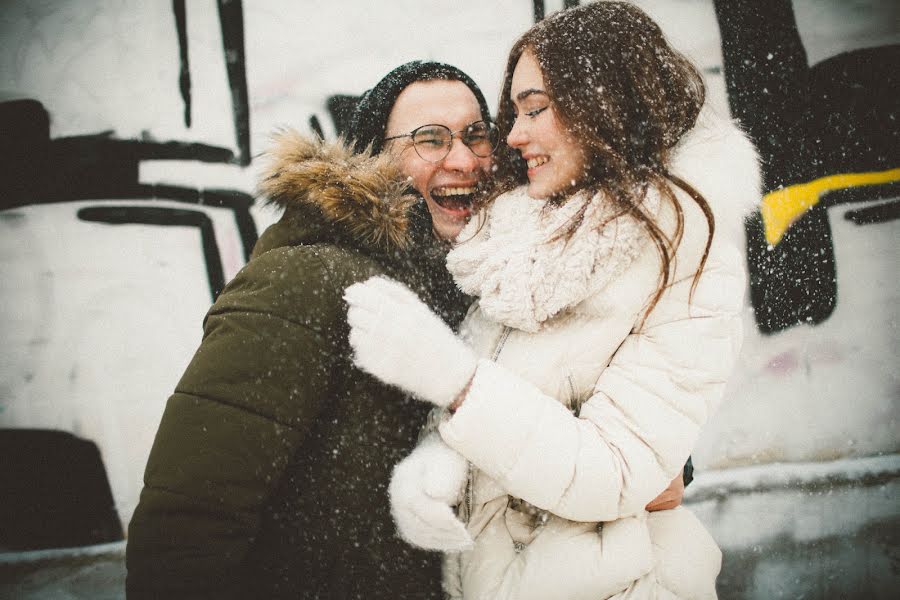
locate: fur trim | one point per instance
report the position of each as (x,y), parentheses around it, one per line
(720,161)
(364,195)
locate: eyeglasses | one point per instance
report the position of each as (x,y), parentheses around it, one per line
(433,142)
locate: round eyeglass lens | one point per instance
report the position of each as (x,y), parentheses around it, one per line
(481,138)
(432,142)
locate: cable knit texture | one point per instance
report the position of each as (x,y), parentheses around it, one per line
(525,272)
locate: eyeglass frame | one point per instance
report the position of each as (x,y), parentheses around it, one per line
(411,135)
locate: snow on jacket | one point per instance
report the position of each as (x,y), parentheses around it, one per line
(268,476)
(577,414)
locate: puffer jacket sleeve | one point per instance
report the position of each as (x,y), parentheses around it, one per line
(633,435)
(247,400)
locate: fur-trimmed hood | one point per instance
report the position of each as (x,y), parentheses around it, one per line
(329,193)
(720,161)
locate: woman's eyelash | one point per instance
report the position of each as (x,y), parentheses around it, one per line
(531,113)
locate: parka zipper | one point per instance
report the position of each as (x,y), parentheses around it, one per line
(470,479)
(575,403)
(503,337)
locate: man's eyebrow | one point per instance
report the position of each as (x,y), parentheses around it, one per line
(529,92)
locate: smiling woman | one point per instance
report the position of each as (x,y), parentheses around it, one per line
(607,321)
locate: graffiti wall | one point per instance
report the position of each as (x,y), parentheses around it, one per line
(126,195)
(818,380)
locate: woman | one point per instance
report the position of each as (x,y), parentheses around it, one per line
(608,268)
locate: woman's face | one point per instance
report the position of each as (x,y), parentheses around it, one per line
(555,161)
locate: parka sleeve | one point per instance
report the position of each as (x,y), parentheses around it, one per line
(250,395)
(633,435)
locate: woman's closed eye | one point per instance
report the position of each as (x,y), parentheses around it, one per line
(531,114)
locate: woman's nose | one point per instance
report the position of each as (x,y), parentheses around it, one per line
(516,137)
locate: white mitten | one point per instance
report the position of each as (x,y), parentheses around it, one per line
(397,338)
(424,487)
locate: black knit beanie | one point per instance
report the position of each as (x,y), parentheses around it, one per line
(369,120)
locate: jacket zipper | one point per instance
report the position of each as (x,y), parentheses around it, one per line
(503,337)
(470,479)
(575,403)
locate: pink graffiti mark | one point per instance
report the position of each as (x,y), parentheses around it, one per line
(787,362)
(784,363)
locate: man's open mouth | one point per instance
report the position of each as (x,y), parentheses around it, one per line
(457,199)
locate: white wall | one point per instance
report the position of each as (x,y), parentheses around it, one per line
(99,321)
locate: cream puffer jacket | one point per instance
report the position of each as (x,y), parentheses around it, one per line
(578,416)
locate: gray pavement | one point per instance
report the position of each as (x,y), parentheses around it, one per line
(814,532)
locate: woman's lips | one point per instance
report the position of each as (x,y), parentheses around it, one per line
(535,163)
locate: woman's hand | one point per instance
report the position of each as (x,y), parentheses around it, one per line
(424,487)
(397,338)
(670,497)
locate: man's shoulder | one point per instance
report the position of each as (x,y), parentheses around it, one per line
(297,282)
(331,265)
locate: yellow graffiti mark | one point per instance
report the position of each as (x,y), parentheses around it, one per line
(782,207)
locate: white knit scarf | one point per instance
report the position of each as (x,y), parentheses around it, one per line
(506,257)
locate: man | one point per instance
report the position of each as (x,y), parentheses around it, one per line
(268,475)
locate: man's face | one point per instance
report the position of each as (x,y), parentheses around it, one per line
(448,185)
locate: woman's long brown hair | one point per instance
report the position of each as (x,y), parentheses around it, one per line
(627,97)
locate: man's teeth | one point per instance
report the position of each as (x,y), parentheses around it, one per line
(453,191)
(536,162)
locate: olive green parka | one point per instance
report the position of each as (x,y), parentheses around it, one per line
(268,475)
